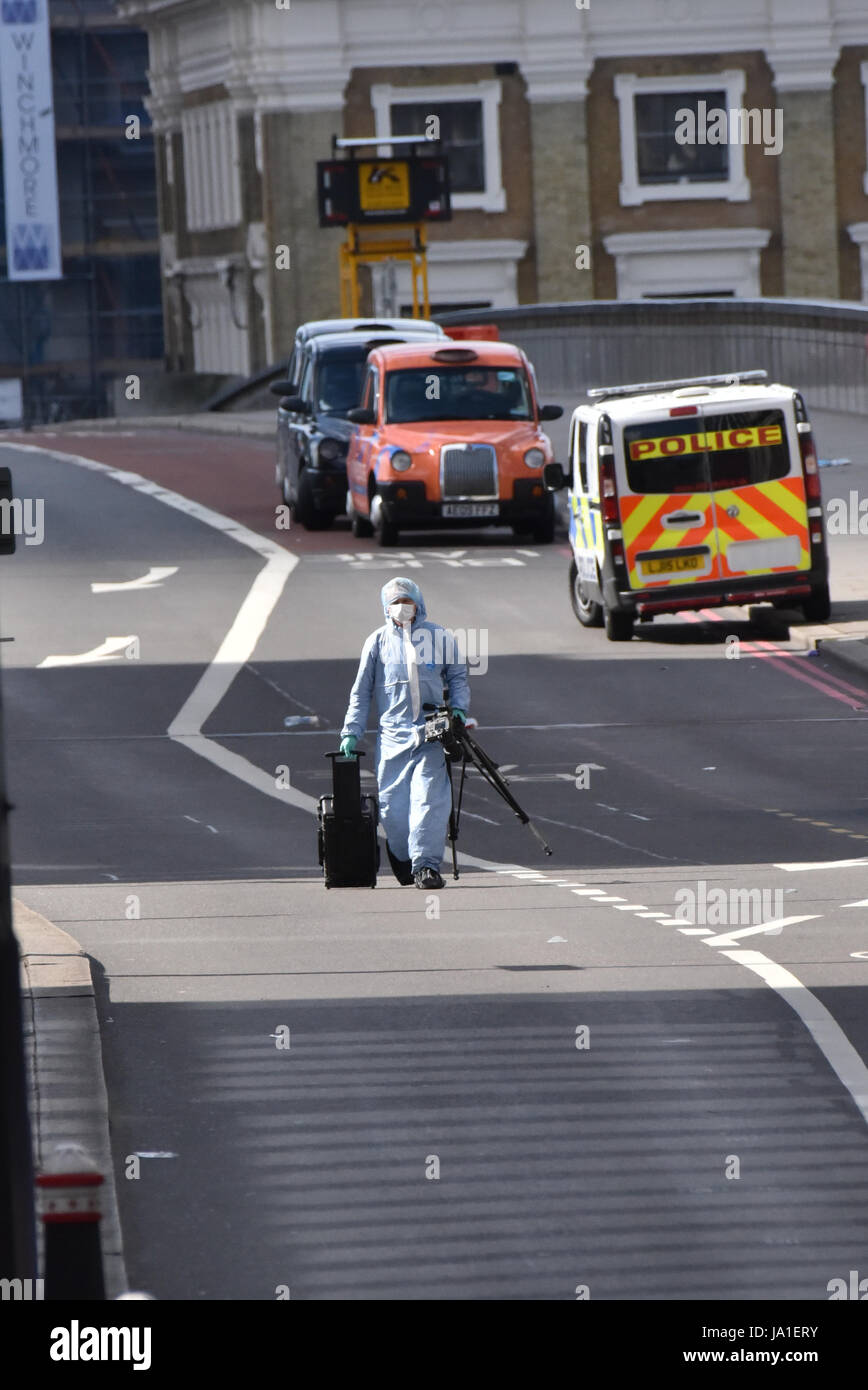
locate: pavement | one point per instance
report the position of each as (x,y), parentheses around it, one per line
(243,960)
(69,1108)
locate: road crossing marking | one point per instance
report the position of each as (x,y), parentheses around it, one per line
(773,928)
(152,580)
(109,650)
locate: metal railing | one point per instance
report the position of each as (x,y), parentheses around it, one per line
(819,347)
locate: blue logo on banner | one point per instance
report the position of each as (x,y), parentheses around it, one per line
(30,246)
(18,11)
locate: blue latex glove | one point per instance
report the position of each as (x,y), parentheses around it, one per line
(460,714)
(347,746)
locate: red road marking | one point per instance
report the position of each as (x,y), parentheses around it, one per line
(783,660)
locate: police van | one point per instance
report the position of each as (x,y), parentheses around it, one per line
(689,494)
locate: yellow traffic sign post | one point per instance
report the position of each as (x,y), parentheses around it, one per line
(384,204)
(361,249)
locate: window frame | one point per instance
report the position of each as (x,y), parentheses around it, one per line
(863,74)
(493,196)
(734,189)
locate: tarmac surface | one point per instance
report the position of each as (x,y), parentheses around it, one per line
(360,1095)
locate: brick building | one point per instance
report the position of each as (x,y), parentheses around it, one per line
(559,125)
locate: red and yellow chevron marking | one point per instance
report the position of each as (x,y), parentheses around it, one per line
(643,532)
(766,511)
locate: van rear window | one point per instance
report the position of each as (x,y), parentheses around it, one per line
(715,452)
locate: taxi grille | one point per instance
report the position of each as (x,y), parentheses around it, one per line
(468,471)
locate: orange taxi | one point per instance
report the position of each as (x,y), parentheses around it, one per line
(449,435)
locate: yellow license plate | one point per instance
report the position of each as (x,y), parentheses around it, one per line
(673,564)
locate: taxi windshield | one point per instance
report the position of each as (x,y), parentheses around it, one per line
(457,393)
(339,380)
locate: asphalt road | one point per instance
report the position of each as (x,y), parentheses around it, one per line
(705,1139)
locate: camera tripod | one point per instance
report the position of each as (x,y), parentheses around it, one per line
(458,744)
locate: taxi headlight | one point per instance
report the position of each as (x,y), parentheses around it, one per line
(329,450)
(534,458)
(400,460)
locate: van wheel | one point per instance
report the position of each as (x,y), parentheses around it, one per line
(589,613)
(619,626)
(818,608)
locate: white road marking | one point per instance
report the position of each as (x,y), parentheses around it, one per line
(630,907)
(609,899)
(553,939)
(863,902)
(152,580)
(835,1046)
(109,650)
(612,840)
(589,892)
(772,928)
(153,1153)
(652,914)
(822,864)
(694,931)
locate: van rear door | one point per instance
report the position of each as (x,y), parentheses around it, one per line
(761,511)
(666,502)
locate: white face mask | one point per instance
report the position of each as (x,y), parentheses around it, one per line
(402,612)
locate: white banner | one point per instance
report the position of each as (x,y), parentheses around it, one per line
(29,159)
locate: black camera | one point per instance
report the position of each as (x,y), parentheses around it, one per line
(438,726)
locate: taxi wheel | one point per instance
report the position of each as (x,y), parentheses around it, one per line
(359,525)
(385,531)
(589,613)
(306,513)
(619,626)
(544,533)
(818,607)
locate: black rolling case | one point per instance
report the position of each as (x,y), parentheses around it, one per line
(347,829)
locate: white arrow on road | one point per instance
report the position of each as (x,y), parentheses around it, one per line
(152,580)
(108,650)
(729,938)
